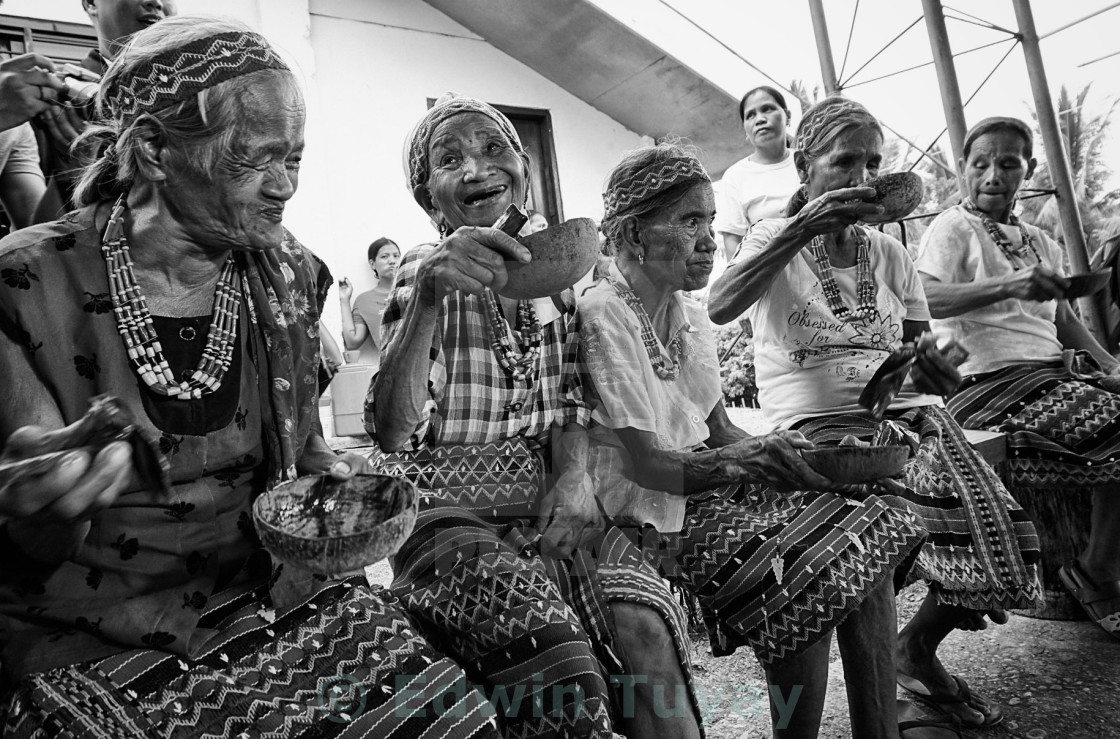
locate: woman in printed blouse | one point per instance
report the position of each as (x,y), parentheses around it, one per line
(126,610)
(830,300)
(776,570)
(1035,372)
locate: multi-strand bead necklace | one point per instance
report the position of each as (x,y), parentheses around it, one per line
(649,338)
(521,366)
(1009,250)
(134,321)
(866,290)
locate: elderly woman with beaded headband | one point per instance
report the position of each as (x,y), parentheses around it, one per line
(999,284)
(478,400)
(775,570)
(131,606)
(831,302)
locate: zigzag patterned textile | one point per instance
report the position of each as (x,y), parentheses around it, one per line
(180,73)
(345,662)
(507,614)
(651,180)
(835,550)
(1062,420)
(982,551)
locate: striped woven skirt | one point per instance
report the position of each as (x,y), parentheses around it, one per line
(777,571)
(471,574)
(344,662)
(982,550)
(1062,421)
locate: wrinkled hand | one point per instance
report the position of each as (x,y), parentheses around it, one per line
(775,459)
(932,372)
(27,88)
(338,466)
(345,289)
(471,259)
(73,487)
(1038,283)
(837,209)
(569,515)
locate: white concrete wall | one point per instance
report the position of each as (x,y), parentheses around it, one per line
(368,68)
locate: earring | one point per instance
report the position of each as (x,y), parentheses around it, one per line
(442,231)
(641,259)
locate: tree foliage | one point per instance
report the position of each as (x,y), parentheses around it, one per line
(1083,137)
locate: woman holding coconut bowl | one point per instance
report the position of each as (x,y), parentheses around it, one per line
(480,401)
(831,301)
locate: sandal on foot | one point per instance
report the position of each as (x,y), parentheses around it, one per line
(911,719)
(1092,596)
(954,703)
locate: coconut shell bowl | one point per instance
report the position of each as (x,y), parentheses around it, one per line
(899,193)
(332,527)
(561,255)
(849,465)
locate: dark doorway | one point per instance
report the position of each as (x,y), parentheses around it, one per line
(534,126)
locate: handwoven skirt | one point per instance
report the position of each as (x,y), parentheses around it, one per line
(1062,421)
(777,571)
(344,662)
(472,575)
(982,550)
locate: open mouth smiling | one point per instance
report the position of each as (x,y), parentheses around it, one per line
(484,197)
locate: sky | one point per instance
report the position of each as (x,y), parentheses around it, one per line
(777,37)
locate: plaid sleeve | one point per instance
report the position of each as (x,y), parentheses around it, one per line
(392,322)
(575,404)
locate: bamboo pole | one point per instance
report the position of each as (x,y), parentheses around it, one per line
(1058,160)
(947,81)
(824,48)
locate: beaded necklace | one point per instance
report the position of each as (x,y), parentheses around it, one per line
(649,338)
(521,366)
(134,321)
(866,289)
(1000,237)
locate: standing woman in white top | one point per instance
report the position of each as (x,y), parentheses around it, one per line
(760,185)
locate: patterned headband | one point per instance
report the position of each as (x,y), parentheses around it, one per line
(416,162)
(651,180)
(824,115)
(178,74)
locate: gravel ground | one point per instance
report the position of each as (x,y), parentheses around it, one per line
(1054,679)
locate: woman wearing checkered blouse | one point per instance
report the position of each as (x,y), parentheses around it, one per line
(472,401)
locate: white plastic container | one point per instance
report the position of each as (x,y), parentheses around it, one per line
(348,395)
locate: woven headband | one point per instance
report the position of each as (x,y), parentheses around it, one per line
(178,74)
(417,166)
(651,180)
(821,117)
